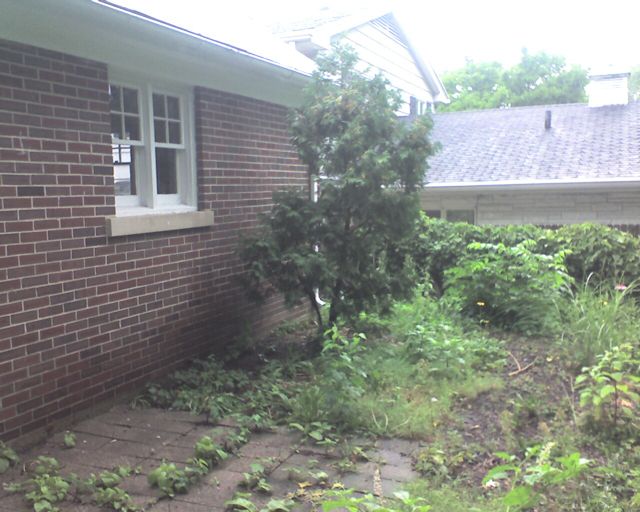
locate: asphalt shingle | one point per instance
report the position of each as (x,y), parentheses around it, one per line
(512,144)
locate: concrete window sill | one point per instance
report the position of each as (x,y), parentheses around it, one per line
(138,224)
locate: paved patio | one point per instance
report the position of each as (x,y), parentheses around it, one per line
(145,437)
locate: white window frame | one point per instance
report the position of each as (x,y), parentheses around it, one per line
(148,201)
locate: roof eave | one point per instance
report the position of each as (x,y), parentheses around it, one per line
(531,185)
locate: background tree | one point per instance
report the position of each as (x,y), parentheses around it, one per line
(634,84)
(352,244)
(538,79)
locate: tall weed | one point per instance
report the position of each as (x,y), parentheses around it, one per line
(597,318)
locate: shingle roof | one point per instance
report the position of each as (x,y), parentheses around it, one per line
(312,21)
(512,144)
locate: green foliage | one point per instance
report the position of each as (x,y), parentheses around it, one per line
(69,440)
(442,347)
(634,84)
(511,287)
(437,464)
(538,79)
(241,502)
(596,318)
(592,251)
(532,480)
(171,480)
(256,479)
(352,243)
(105,492)
(600,253)
(45,488)
(330,402)
(610,391)
(351,502)
(210,451)
(8,457)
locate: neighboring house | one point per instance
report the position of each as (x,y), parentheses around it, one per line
(381,45)
(112,275)
(545,165)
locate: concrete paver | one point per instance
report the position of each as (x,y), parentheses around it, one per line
(142,438)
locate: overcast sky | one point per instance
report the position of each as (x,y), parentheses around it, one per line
(592,33)
(587,32)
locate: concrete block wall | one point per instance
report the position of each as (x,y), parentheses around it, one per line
(618,208)
(85,318)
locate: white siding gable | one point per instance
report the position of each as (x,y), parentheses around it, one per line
(381,46)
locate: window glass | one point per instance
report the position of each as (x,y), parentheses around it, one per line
(173,108)
(166,171)
(433,214)
(166,119)
(467,216)
(124,100)
(124,174)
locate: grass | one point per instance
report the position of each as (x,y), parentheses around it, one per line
(597,318)
(427,374)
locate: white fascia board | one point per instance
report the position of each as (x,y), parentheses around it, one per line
(429,74)
(524,185)
(94,31)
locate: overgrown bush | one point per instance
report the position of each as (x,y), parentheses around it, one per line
(511,287)
(602,252)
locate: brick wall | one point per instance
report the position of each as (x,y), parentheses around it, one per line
(84,318)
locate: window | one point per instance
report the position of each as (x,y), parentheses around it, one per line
(151,140)
(461,216)
(468,216)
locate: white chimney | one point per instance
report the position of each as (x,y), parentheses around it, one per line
(608,88)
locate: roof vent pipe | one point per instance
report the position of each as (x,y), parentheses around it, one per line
(547,120)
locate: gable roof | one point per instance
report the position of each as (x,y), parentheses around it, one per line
(318,30)
(511,146)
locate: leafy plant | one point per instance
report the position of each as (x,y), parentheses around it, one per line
(256,479)
(171,480)
(210,451)
(512,287)
(8,458)
(610,390)
(69,440)
(105,492)
(348,500)
(45,487)
(531,479)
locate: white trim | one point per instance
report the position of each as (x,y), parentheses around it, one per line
(145,161)
(600,183)
(138,224)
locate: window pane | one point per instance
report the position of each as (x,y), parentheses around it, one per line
(160,128)
(173,107)
(461,216)
(124,175)
(174,132)
(130,100)
(166,171)
(131,128)
(114,98)
(116,126)
(158,105)
(433,214)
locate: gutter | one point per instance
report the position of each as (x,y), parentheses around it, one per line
(215,42)
(528,185)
